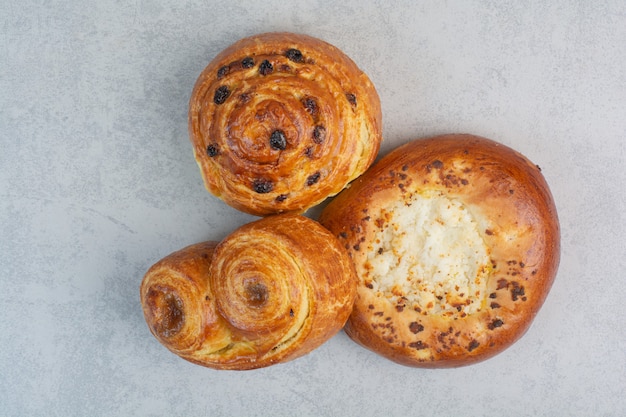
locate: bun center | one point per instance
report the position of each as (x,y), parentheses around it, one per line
(431,256)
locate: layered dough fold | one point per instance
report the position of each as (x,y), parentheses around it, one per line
(271,291)
(281,121)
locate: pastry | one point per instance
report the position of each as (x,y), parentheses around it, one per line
(281,121)
(271,291)
(455,240)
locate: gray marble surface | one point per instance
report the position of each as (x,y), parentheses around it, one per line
(98,181)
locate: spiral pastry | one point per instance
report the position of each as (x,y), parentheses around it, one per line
(270,292)
(281,121)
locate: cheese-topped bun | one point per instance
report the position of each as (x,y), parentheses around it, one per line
(456,243)
(281,121)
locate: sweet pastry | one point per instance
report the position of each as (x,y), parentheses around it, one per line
(271,291)
(281,121)
(456,244)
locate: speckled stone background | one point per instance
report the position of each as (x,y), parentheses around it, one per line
(98,181)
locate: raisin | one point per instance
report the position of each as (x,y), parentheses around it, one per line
(223,71)
(351,99)
(310,105)
(212,150)
(278,140)
(266,67)
(262,186)
(294,55)
(281,198)
(247,62)
(221,94)
(312,179)
(319,134)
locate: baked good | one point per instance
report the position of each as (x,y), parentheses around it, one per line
(456,244)
(281,121)
(271,291)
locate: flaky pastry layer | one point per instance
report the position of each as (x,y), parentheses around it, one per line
(281,121)
(271,291)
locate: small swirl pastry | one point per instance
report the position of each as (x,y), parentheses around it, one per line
(456,244)
(281,121)
(271,291)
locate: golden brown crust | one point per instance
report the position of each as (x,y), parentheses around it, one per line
(511,202)
(271,291)
(281,121)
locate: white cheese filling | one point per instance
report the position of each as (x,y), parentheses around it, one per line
(428,255)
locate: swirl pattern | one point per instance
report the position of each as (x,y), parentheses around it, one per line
(281,121)
(271,291)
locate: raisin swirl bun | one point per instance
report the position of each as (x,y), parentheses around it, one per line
(271,291)
(281,121)
(456,244)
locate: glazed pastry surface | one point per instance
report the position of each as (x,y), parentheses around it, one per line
(456,243)
(271,291)
(281,121)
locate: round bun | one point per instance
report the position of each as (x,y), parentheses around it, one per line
(455,240)
(281,121)
(271,291)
